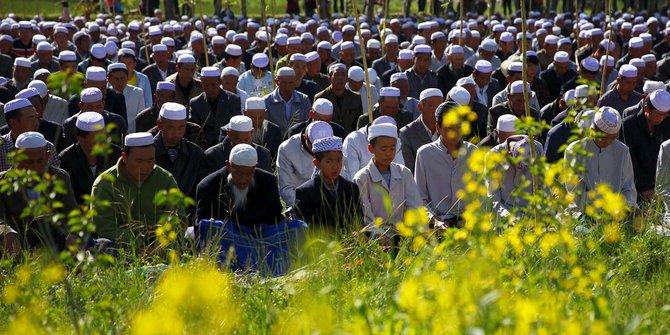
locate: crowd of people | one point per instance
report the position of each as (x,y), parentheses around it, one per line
(261,122)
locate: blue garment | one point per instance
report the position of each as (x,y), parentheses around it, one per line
(264,248)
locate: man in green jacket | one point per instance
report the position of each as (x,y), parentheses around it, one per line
(123,196)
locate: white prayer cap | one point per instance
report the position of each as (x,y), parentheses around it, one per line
(561,57)
(240,123)
(507,123)
(608,59)
(498,28)
(210,72)
(22,62)
(348,28)
(422,49)
(159,48)
(38,38)
(138,139)
(391,39)
(306,36)
(285,72)
(186,59)
(563,41)
(38,73)
(569,97)
(489,45)
(424,25)
(346,45)
(583,91)
(67,56)
(551,39)
(44,46)
(596,32)
(389,92)
(90,121)
(459,95)
(27,93)
(218,40)
(323,107)
(312,56)
(17,104)
(111,48)
(61,29)
(637,62)
(90,94)
(429,93)
(98,51)
(356,73)
(173,111)
(646,37)
(168,41)
(590,64)
(126,52)
(483,66)
(382,129)
(318,130)
(465,81)
(398,76)
(660,100)
(254,103)
(253,25)
(648,58)
(331,143)
(30,140)
(436,35)
(405,54)
(165,85)
(336,66)
(260,60)
(608,120)
(373,44)
(154,30)
(240,37)
(96,73)
(506,37)
(324,45)
(230,71)
(455,49)
(651,86)
(628,71)
(636,42)
(234,50)
(116,66)
(298,57)
(40,86)
(626,26)
(515,66)
(517,87)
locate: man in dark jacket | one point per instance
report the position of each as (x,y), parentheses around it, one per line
(91,100)
(115,102)
(266,133)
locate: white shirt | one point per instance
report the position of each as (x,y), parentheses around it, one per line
(294,167)
(357,155)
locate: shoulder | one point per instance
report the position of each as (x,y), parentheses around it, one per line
(266,178)
(428,148)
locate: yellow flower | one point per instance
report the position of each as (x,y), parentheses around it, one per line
(54,273)
(612,233)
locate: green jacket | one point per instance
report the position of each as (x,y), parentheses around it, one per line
(131,206)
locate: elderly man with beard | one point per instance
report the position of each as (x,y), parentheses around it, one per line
(448,74)
(240,192)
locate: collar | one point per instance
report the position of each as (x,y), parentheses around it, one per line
(376,176)
(276,98)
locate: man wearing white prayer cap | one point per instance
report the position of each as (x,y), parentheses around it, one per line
(623,95)
(295,159)
(459,95)
(113,101)
(161,68)
(419,76)
(389,105)
(356,152)
(588,72)
(314,66)
(117,75)
(381,178)
(238,131)
(356,83)
(52,131)
(214,107)
(347,105)
(439,170)
(448,75)
(129,188)
(298,62)
(486,51)
(187,85)
(163,92)
(135,78)
(21,117)
(649,87)
(505,127)
(643,133)
(487,86)
(423,129)
(176,154)
(92,100)
(390,57)
(607,160)
(45,58)
(514,105)
(18,232)
(285,105)
(399,81)
(558,73)
(55,107)
(20,76)
(98,57)
(265,133)
(257,81)
(514,73)
(240,192)
(322,110)
(78,159)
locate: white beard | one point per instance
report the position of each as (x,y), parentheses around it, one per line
(239,196)
(257,136)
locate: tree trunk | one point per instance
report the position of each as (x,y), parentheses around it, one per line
(370,13)
(324,9)
(243,8)
(169,9)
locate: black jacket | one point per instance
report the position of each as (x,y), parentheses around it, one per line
(504,108)
(340,211)
(446,79)
(52,131)
(227,106)
(188,169)
(115,102)
(555,82)
(73,160)
(70,128)
(215,200)
(272,137)
(216,157)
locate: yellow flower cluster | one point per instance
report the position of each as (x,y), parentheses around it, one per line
(605,202)
(461,118)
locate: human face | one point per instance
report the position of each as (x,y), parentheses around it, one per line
(403,86)
(99,84)
(560,68)
(320,117)
(257,117)
(457,60)
(129,61)
(428,106)
(300,69)
(355,85)
(504,135)
(161,58)
(653,116)
(242,176)
(211,86)
(439,44)
(389,106)
(324,54)
(314,67)
(186,71)
(88,142)
(517,103)
(240,137)
(450,136)
(384,150)
(28,121)
(36,159)
(163,96)
(604,140)
(338,79)
(421,63)
(44,56)
(172,131)
(22,74)
(139,163)
(229,83)
(391,50)
(330,165)
(119,80)
(348,56)
(286,85)
(626,85)
(482,79)
(96,106)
